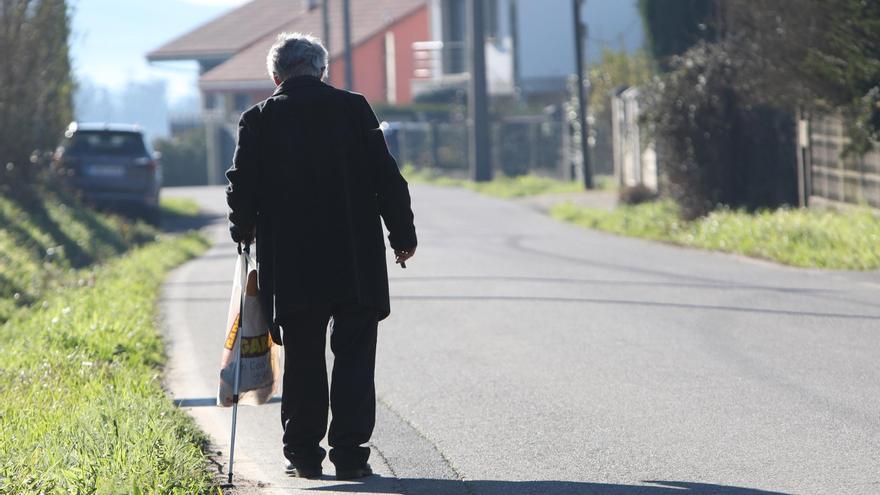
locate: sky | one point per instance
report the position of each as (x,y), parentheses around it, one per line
(111,38)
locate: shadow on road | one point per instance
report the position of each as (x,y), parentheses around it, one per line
(174,224)
(378,484)
(619,283)
(211,401)
(624,302)
(199,283)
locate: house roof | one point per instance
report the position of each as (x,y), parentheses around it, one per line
(368,18)
(231,32)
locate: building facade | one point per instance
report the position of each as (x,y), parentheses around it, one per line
(401,49)
(231,53)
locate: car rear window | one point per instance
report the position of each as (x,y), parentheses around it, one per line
(107,143)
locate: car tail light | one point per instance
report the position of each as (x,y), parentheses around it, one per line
(150,163)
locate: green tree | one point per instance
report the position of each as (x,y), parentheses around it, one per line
(673,26)
(813,54)
(615,69)
(722,114)
(36,86)
(184,158)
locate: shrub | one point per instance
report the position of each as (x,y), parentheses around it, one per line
(184,158)
(716,147)
(638,194)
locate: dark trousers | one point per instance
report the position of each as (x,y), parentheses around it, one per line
(352,396)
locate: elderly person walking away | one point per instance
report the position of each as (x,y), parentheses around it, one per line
(311,177)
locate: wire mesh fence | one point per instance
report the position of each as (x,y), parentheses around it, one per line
(523,145)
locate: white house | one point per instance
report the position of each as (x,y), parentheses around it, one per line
(530,44)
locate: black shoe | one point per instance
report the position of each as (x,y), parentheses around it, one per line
(303,472)
(354,473)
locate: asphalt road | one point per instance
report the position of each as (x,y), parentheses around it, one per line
(525,356)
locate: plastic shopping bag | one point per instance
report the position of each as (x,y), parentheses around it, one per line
(260,368)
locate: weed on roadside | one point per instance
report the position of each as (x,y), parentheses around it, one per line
(82,409)
(828,239)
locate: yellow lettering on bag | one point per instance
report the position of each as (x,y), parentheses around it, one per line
(254,346)
(230,337)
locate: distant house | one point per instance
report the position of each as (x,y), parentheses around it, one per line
(530,46)
(231,52)
(400,49)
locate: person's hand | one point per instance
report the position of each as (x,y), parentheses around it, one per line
(401,255)
(241,237)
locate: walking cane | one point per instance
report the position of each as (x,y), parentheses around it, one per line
(237,347)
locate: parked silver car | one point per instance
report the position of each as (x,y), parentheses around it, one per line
(113,167)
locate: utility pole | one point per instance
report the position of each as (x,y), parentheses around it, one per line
(513,17)
(582,96)
(325,20)
(478,99)
(346,22)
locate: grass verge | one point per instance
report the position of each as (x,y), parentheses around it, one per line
(45,239)
(500,186)
(805,238)
(179,207)
(82,409)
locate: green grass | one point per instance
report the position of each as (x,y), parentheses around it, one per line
(179,207)
(806,238)
(501,186)
(82,409)
(605,182)
(44,240)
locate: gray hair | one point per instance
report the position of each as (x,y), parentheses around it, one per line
(296,54)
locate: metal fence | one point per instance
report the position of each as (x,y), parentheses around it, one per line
(833,177)
(441,146)
(520,145)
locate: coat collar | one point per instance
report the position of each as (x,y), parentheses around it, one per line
(297,82)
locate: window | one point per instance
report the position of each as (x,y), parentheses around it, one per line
(106,143)
(242,101)
(210,101)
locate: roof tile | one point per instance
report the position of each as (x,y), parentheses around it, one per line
(231,32)
(368,17)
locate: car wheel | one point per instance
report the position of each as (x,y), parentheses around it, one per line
(153,216)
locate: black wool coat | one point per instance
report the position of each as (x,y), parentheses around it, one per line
(313,175)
